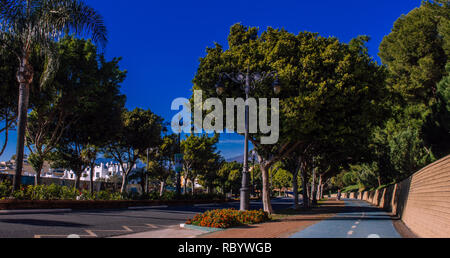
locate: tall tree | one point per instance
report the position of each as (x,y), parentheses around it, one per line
(197,152)
(161,160)
(140,130)
(210,170)
(8,96)
(415,54)
(330,90)
(228,177)
(90,87)
(32,23)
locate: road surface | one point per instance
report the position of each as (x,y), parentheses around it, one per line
(358,220)
(107,223)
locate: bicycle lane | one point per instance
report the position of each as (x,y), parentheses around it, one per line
(358,220)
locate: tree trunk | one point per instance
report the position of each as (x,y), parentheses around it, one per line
(37,177)
(21,127)
(321,191)
(162,188)
(77,180)
(305,188)
(295,189)
(185,186)
(266,190)
(6,137)
(319,186)
(91,183)
(24,78)
(313,188)
(124,183)
(193,186)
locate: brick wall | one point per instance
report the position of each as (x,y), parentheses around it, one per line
(427,208)
(422,201)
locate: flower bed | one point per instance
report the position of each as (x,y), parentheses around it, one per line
(228,218)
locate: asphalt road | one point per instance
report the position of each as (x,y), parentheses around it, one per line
(358,220)
(107,223)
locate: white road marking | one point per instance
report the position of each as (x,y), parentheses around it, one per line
(350,232)
(353,227)
(7,212)
(125,229)
(374,236)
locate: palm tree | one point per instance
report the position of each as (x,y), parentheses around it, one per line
(27,25)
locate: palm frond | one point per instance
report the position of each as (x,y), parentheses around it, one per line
(42,21)
(73,15)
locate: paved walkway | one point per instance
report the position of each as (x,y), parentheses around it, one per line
(287,223)
(358,220)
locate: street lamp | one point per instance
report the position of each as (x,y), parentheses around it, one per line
(248,82)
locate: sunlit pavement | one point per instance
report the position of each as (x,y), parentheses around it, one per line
(108,223)
(358,220)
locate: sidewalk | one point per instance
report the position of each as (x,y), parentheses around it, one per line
(172,232)
(285,225)
(358,220)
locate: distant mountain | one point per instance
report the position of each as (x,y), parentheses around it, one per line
(240,159)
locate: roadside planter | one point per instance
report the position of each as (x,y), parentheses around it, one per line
(204,229)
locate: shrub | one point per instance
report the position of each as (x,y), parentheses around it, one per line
(57,192)
(5,189)
(227,218)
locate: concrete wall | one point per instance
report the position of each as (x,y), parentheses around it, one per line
(422,201)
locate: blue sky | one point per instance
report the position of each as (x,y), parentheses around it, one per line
(162,41)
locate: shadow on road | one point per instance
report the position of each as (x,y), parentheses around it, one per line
(47,223)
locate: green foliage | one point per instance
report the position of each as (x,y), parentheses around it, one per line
(437,126)
(8,95)
(200,158)
(139,130)
(416,52)
(54,192)
(408,154)
(415,134)
(329,88)
(358,176)
(78,111)
(332,92)
(5,189)
(282,179)
(229,177)
(351,188)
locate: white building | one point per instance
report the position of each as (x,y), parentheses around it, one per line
(103,171)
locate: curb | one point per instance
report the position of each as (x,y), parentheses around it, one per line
(149,207)
(204,229)
(9,212)
(206,205)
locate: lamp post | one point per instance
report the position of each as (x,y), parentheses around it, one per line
(178,163)
(146,174)
(248,82)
